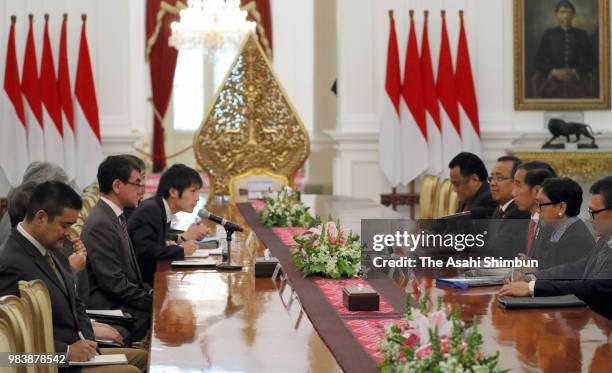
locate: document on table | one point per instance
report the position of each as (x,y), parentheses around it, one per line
(207,262)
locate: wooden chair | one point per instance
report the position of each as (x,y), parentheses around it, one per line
(453,202)
(35,295)
(13,311)
(8,338)
(442,199)
(427,197)
(240,185)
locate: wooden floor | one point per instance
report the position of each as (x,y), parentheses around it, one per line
(205,320)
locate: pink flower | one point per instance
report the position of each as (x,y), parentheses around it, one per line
(315,230)
(303,253)
(439,321)
(332,231)
(428,348)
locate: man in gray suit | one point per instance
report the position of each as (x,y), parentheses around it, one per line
(114,276)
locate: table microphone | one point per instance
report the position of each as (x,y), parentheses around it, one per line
(228,225)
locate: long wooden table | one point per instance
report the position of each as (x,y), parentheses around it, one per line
(206,320)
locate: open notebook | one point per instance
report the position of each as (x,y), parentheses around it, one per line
(112,359)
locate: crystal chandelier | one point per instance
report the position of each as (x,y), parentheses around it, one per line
(211,25)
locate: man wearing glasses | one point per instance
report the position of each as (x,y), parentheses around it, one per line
(508,222)
(114,277)
(594,286)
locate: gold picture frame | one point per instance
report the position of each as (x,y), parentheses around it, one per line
(583,85)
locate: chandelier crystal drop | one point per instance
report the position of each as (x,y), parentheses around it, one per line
(211,25)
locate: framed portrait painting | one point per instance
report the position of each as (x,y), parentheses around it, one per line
(561,55)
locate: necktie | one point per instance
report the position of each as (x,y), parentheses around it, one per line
(124,228)
(500,213)
(55,270)
(530,235)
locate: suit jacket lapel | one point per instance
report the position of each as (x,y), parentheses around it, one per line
(160,204)
(597,259)
(40,261)
(127,244)
(70,288)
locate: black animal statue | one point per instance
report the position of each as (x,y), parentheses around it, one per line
(559,127)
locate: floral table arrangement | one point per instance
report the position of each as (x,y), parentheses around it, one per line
(285,210)
(328,250)
(435,341)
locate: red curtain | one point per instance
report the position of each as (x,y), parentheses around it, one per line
(162,62)
(259,12)
(162,58)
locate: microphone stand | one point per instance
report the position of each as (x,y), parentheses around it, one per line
(228,265)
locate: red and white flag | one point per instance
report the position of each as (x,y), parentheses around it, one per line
(447,95)
(466,94)
(30,87)
(434,126)
(65,95)
(13,140)
(389,136)
(52,111)
(413,129)
(88,140)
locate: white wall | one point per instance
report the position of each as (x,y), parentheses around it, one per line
(115,33)
(362,27)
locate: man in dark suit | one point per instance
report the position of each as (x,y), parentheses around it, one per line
(114,277)
(30,253)
(508,222)
(528,181)
(594,286)
(468,176)
(149,225)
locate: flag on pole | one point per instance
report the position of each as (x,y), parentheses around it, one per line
(30,87)
(13,138)
(88,140)
(65,96)
(389,136)
(447,95)
(413,129)
(466,94)
(434,127)
(52,111)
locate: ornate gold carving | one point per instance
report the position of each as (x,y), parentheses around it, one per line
(251,124)
(587,165)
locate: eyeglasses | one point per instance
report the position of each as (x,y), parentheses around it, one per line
(498,179)
(539,205)
(593,213)
(138,184)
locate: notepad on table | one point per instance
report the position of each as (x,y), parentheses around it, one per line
(113,359)
(468,282)
(541,302)
(207,262)
(217,251)
(199,253)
